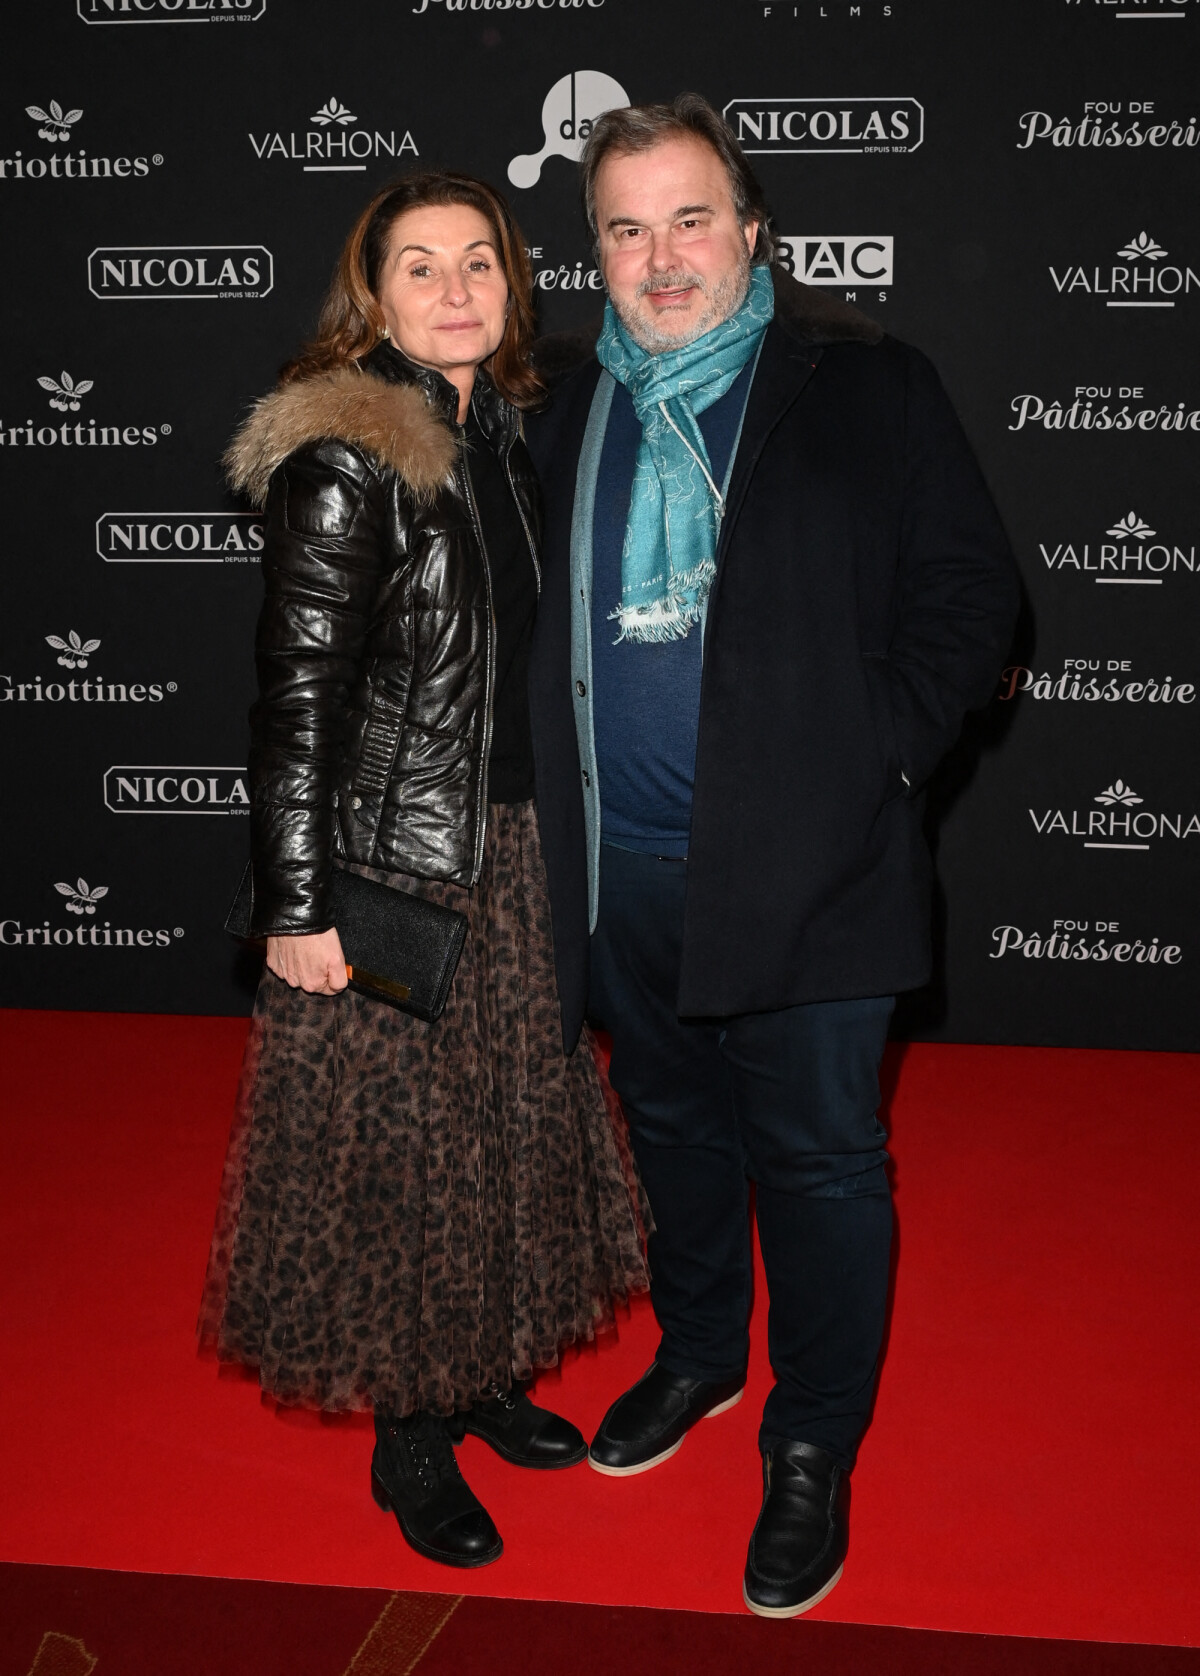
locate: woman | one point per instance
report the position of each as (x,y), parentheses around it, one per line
(414,1217)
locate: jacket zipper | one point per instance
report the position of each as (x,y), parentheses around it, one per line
(537,569)
(481,789)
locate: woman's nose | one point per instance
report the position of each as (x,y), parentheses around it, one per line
(456,291)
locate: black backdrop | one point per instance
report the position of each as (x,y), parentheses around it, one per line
(1009,183)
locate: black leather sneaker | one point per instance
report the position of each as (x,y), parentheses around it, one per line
(414,1475)
(799,1543)
(648,1424)
(520,1432)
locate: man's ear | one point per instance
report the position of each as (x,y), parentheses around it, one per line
(751,232)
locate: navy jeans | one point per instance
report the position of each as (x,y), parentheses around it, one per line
(785,1099)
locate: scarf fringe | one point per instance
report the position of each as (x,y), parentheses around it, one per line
(671,618)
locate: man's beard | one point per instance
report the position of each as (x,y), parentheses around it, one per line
(723,298)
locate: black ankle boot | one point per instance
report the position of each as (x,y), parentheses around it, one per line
(415,1475)
(519,1432)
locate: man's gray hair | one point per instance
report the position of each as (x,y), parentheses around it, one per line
(689,116)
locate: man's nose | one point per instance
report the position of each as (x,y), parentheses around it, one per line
(662,252)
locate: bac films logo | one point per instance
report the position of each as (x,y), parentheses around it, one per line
(85,929)
(849,259)
(179,537)
(569,111)
(1140,278)
(65,158)
(832,127)
(180,272)
(1134,555)
(146,789)
(67,394)
(170,11)
(333,143)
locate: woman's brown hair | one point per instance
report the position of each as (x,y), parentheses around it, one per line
(351,322)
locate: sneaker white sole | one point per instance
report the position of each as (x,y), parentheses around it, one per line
(792,1611)
(657,1460)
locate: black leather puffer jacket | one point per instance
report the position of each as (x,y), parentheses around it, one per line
(375,646)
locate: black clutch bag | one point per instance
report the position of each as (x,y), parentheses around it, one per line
(398,948)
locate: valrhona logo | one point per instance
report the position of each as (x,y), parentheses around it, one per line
(837,258)
(1133,555)
(133,789)
(1094,681)
(65,394)
(1106,124)
(170,11)
(179,537)
(333,143)
(1140,278)
(1098,407)
(76,653)
(64,158)
(180,272)
(86,929)
(1117,818)
(1082,939)
(1133,11)
(790,127)
(568,112)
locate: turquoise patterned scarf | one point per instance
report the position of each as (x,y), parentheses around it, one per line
(669,558)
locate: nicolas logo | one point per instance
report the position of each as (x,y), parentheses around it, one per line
(179,537)
(65,395)
(569,111)
(333,143)
(1134,555)
(1117,818)
(170,11)
(1141,278)
(790,127)
(837,258)
(81,901)
(57,125)
(77,653)
(143,789)
(180,272)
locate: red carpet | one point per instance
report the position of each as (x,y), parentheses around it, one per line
(1033,1468)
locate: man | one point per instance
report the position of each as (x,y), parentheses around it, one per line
(774,583)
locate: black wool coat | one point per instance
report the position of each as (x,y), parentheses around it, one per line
(864,600)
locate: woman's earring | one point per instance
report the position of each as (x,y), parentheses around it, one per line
(384,333)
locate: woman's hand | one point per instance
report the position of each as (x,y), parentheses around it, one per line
(313,962)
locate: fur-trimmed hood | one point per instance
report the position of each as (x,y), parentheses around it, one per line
(393,422)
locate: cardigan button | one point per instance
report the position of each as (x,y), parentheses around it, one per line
(581,689)
(356,802)
(587,778)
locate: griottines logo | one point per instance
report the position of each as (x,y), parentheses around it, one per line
(80,900)
(76,654)
(180,272)
(66,396)
(1122,822)
(1106,124)
(179,537)
(569,111)
(1157,284)
(1081,939)
(1090,410)
(333,143)
(56,125)
(144,789)
(170,11)
(1131,558)
(1094,681)
(795,127)
(837,258)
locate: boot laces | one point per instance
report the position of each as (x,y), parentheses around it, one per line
(429,1449)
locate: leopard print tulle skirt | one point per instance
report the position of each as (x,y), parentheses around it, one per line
(412,1212)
